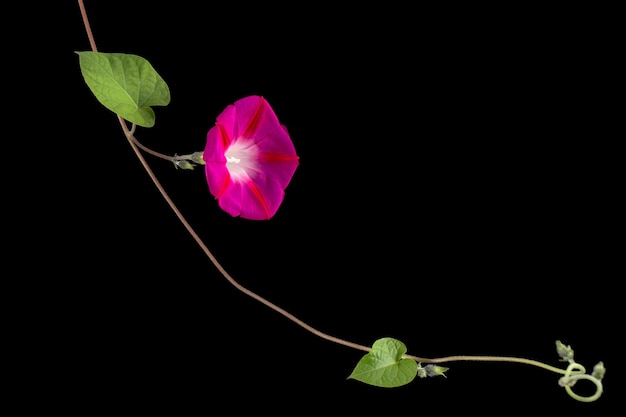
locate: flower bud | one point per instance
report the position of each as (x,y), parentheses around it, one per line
(565,352)
(181,163)
(598,370)
(435,370)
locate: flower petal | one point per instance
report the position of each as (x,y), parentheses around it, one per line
(254,200)
(256,120)
(215,160)
(249,159)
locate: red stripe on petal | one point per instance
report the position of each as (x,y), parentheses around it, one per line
(274,157)
(224,186)
(260,198)
(254,121)
(224,135)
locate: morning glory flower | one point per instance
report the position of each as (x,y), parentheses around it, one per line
(249,159)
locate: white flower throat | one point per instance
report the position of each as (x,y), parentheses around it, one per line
(241,158)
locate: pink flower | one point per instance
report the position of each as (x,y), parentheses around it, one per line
(249,159)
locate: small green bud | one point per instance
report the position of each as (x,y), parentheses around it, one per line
(421,372)
(598,371)
(183,164)
(565,352)
(435,370)
(567,381)
(197,158)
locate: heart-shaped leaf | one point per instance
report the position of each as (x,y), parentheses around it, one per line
(126,84)
(384,366)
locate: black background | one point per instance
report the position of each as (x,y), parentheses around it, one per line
(452,193)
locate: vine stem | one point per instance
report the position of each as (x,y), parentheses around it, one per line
(459,358)
(83,13)
(137,147)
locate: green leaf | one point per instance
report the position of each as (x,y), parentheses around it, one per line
(126,84)
(384,366)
